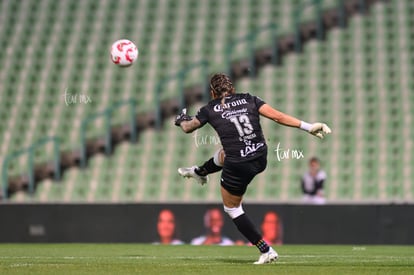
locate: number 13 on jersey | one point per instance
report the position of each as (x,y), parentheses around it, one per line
(243,125)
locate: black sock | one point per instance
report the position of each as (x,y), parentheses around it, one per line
(209,167)
(248,230)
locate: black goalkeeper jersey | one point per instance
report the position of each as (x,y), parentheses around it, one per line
(237,124)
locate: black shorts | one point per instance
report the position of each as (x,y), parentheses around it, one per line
(236,176)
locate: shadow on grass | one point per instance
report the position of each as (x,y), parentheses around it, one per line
(217,259)
(234,261)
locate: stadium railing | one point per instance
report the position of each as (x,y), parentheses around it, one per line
(180,77)
(250,39)
(31,173)
(297,12)
(107,116)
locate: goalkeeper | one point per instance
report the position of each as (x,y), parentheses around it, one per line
(236,119)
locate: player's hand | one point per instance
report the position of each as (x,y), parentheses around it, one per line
(319,130)
(182,117)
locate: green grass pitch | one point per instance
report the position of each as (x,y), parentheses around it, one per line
(157,259)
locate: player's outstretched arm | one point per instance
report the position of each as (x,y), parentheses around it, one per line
(187,123)
(191,125)
(279,117)
(317,129)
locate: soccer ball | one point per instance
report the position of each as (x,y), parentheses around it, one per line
(124,52)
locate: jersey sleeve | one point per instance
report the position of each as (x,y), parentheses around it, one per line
(202,115)
(258,101)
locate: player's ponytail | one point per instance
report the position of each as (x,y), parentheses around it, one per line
(223,101)
(221,86)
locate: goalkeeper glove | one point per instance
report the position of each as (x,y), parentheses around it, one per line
(182,117)
(317,129)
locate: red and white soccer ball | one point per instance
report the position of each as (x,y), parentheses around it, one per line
(124,52)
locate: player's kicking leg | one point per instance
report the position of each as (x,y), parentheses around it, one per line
(200,174)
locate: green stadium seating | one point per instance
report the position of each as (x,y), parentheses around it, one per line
(358,80)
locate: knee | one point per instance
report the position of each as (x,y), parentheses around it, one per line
(234,212)
(218,157)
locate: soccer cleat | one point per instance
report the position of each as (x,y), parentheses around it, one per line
(189,172)
(268,257)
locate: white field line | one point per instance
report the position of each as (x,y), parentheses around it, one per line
(371,258)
